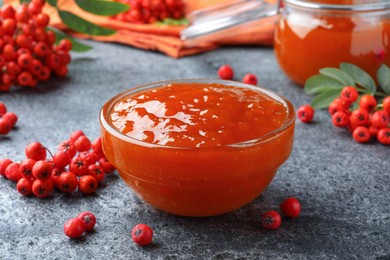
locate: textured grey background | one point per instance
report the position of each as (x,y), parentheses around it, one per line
(344,187)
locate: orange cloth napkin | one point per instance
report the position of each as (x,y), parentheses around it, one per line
(164,38)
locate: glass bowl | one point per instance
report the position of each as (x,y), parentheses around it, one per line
(202,181)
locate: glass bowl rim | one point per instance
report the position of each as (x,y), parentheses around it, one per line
(104,113)
(376,6)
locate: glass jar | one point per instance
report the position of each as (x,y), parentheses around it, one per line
(310,36)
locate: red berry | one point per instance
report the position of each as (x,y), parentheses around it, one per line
(12,118)
(24,186)
(386,104)
(25,60)
(305,113)
(360,117)
(96,146)
(42,188)
(106,165)
(271,220)
(25,168)
(87,184)
(380,119)
(74,228)
(89,219)
(291,207)
(75,135)
(65,58)
(23,42)
(142,234)
(361,134)
(5,127)
(34,8)
(35,151)
(22,14)
(349,94)
(340,119)
(67,147)
(12,172)
(89,157)
(50,38)
(97,172)
(44,74)
(41,20)
(65,45)
(367,102)
(7,11)
(82,144)
(3,109)
(3,165)
(373,131)
(250,79)
(78,166)
(42,170)
(226,72)
(25,78)
(9,26)
(13,68)
(61,71)
(61,159)
(41,49)
(9,52)
(55,173)
(383,136)
(67,182)
(53,61)
(36,67)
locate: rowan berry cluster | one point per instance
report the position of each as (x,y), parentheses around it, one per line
(84,222)
(151,11)
(226,72)
(78,163)
(27,51)
(7,120)
(290,207)
(365,122)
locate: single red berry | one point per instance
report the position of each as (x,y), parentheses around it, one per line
(36,67)
(53,61)
(28,29)
(340,119)
(291,207)
(61,71)
(7,11)
(23,42)
(3,109)
(78,166)
(9,52)
(361,134)
(226,72)
(87,184)
(380,119)
(12,118)
(142,234)
(44,74)
(373,131)
(41,49)
(65,58)
(39,3)
(5,127)
(250,79)
(349,94)
(25,60)
(55,173)
(89,219)
(89,157)
(305,113)
(383,136)
(75,135)
(42,188)
(24,186)
(82,144)
(41,20)
(106,165)
(386,104)
(42,170)
(61,159)
(34,8)
(96,146)
(12,68)
(12,172)
(271,220)
(9,26)
(367,102)
(25,168)
(67,146)
(360,117)
(50,38)
(35,151)
(67,182)
(25,78)
(65,45)
(97,172)
(3,165)
(74,228)
(22,14)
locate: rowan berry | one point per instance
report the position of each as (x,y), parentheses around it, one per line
(250,79)
(42,170)
(25,60)
(7,11)
(142,234)
(9,26)
(67,182)
(3,165)
(34,8)
(25,168)
(271,220)
(61,159)
(226,72)
(25,78)
(42,188)
(23,42)
(12,172)
(367,102)
(61,71)
(380,119)
(96,146)
(89,220)
(106,165)
(75,135)
(12,68)
(349,94)
(97,172)
(9,52)
(28,29)
(340,119)
(22,14)
(50,38)
(291,207)
(5,127)
(53,61)
(65,57)
(35,151)
(87,184)
(24,186)
(361,134)
(67,147)
(41,20)
(305,113)
(82,144)
(373,131)
(41,49)
(74,228)
(383,136)
(44,74)
(36,67)
(386,104)
(3,109)
(65,45)
(360,117)
(39,3)
(78,166)
(55,173)
(89,157)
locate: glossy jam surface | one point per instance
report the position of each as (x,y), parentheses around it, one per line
(308,40)
(206,115)
(171,150)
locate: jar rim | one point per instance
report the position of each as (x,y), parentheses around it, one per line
(382,5)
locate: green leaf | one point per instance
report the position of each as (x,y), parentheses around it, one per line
(324,99)
(174,22)
(76,45)
(52,2)
(360,76)
(319,83)
(101,7)
(383,76)
(80,25)
(338,75)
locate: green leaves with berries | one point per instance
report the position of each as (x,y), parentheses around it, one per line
(327,85)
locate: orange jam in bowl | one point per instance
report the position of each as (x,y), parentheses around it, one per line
(197,147)
(314,34)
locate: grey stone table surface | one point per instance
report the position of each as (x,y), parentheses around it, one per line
(344,187)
